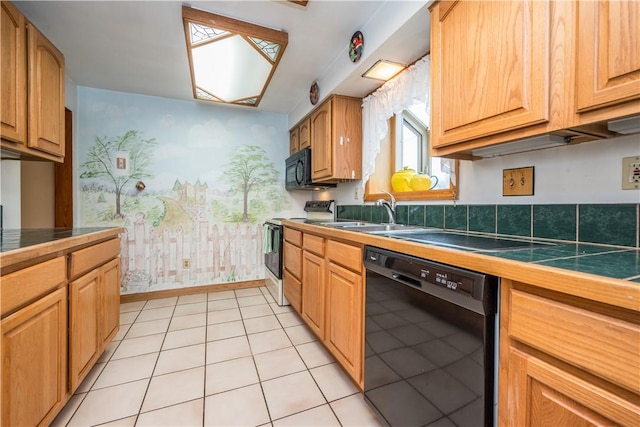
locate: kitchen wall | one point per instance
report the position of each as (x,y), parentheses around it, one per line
(212,175)
(37,191)
(10,193)
(585,173)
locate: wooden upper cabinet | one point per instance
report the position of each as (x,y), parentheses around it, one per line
(305,133)
(490,68)
(336,140)
(321,148)
(294,140)
(46,94)
(33,95)
(13,68)
(608,63)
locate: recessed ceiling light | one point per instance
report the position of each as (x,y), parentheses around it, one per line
(231,61)
(383,70)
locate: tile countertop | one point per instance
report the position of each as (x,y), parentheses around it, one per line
(21,245)
(602,273)
(12,239)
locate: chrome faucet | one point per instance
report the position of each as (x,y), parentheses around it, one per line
(390,205)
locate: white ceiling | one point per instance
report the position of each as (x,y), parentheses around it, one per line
(139,46)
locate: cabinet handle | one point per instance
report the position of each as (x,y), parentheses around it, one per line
(341,140)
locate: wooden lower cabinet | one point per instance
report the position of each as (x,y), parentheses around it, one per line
(565,361)
(332,297)
(34,361)
(94,318)
(58,316)
(313,292)
(344,318)
(84,324)
(110,301)
(550,396)
(292,290)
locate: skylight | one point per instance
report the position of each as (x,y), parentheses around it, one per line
(231,61)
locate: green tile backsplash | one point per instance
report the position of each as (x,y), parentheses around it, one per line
(435,216)
(514,220)
(482,218)
(610,224)
(416,215)
(554,222)
(455,217)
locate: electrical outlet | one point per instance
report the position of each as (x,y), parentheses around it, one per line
(186,263)
(631,173)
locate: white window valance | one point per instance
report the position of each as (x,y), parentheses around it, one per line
(408,88)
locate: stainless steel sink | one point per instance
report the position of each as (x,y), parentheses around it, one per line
(464,241)
(381,228)
(343,224)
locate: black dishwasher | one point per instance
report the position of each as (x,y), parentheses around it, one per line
(430,338)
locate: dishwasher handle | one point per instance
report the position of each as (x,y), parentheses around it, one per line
(406,280)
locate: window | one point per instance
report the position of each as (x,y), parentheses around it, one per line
(412,143)
(407,145)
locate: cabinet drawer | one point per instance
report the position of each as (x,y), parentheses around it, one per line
(314,244)
(293,236)
(293,259)
(603,345)
(292,290)
(26,285)
(345,255)
(85,259)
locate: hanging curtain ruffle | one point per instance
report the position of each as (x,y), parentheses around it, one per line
(408,88)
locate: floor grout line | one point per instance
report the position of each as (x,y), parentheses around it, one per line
(281,317)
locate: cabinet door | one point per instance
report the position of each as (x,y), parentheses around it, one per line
(313,296)
(490,63)
(294,140)
(46,94)
(608,68)
(13,68)
(321,143)
(110,301)
(84,326)
(305,133)
(541,394)
(34,361)
(344,335)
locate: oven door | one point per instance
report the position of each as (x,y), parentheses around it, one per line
(273,249)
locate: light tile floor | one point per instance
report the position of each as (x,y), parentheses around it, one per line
(227,358)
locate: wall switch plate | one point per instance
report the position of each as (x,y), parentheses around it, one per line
(631,173)
(517,182)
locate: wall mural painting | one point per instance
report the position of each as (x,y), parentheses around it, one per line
(197,221)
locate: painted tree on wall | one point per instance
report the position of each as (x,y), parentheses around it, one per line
(250,170)
(119,160)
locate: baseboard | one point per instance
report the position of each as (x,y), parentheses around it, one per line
(143,296)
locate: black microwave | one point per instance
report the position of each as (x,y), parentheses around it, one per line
(298,173)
